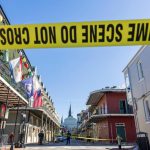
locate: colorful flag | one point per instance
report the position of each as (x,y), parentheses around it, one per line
(37,96)
(28,85)
(16,69)
(37,99)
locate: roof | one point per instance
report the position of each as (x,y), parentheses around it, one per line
(10,94)
(134,57)
(3,13)
(95,96)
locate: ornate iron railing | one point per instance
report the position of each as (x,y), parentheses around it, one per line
(6,75)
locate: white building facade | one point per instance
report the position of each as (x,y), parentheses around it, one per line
(137,78)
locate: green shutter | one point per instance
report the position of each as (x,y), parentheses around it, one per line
(121,107)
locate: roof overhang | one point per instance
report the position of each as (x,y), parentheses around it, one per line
(97,118)
(95,96)
(10,95)
(39,111)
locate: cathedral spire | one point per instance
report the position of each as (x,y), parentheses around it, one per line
(70,113)
(62,120)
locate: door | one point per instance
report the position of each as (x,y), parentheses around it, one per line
(121,132)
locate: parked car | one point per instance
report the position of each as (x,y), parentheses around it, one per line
(59,139)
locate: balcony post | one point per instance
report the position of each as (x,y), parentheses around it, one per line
(42,122)
(51,130)
(46,129)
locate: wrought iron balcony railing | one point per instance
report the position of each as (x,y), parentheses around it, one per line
(6,75)
(51,113)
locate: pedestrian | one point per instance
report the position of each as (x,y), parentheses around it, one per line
(68,138)
(41,137)
(119,138)
(11,140)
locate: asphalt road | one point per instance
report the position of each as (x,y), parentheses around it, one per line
(75,145)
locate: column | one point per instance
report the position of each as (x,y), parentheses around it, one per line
(52,131)
(42,122)
(46,129)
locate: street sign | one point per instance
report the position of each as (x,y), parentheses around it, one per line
(75,34)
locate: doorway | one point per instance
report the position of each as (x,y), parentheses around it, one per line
(120,130)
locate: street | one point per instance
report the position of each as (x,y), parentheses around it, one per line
(75,145)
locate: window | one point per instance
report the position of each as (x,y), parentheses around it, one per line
(140,70)
(123,107)
(147,110)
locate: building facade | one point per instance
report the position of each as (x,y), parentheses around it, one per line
(70,123)
(17,113)
(12,95)
(82,119)
(109,115)
(137,77)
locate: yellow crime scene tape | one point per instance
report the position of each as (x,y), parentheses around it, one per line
(76,34)
(95,139)
(88,138)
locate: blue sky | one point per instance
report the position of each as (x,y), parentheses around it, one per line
(70,74)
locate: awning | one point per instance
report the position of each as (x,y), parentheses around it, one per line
(94,98)
(7,92)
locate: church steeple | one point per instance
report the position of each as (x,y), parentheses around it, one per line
(70,113)
(62,121)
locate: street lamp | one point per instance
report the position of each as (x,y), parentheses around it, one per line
(22,130)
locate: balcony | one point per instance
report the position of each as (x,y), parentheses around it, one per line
(52,114)
(5,74)
(102,113)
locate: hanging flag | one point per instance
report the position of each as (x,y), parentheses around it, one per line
(37,99)
(16,69)
(28,85)
(36,84)
(37,96)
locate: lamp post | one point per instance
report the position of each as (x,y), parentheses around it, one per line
(22,130)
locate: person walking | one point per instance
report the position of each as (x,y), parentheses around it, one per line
(11,140)
(68,138)
(41,137)
(118,138)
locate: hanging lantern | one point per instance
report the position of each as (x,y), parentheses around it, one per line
(26,65)
(24,59)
